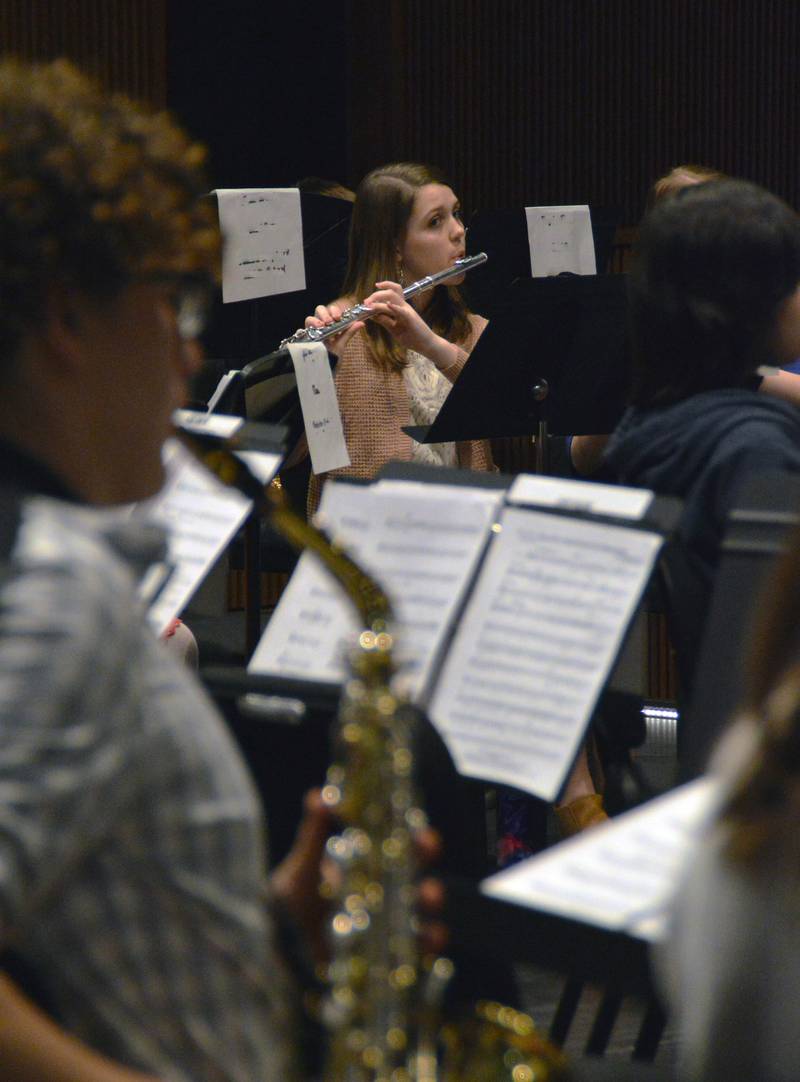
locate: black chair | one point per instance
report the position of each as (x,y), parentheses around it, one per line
(767,508)
(607,970)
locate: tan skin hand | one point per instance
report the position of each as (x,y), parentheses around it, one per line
(323,316)
(405,323)
(401,319)
(33,1048)
(297,880)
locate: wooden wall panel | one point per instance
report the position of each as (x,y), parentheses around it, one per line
(121,42)
(577,100)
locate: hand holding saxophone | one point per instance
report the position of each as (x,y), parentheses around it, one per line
(304,881)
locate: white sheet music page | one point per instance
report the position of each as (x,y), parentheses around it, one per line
(263,251)
(621,875)
(590,496)
(320,406)
(200,515)
(560,239)
(421,542)
(221,388)
(215,424)
(262,464)
(535,645)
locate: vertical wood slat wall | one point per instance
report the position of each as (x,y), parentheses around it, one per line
(121,42)
(561,101)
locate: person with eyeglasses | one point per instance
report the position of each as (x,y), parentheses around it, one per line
(137,930)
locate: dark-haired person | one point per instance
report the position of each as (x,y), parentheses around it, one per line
(586,452)
(132,864)
(397,368)
(714,294)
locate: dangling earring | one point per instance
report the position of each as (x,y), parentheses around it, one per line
(400,274)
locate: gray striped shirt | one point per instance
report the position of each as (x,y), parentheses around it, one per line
(131,840)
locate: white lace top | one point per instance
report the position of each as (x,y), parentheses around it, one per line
(427,389)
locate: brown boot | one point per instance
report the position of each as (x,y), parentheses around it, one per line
(580,814)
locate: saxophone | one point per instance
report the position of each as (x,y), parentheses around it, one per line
(384,1004)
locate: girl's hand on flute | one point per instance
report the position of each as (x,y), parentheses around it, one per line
(323,316)
(405,324)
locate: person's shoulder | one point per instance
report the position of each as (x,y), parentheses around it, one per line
(477,325)
(761,423)
(67,577)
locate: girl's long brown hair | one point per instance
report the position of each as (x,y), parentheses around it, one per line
(383,206)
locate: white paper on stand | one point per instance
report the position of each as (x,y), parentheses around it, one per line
(263,251)
(619,876)
(262,464)
(589,496)
(200,515)
(221,388)
(216,424)
(535,645)
(560,239)
(320,407)
(422,544)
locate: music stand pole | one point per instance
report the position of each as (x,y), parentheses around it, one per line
(540,391)
(252,582)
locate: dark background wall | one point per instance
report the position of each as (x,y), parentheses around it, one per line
(263,84)
(561,101)
(519,100)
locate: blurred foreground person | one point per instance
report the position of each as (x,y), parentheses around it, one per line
(132,857)
(734,956)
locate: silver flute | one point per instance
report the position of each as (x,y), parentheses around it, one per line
(362,312)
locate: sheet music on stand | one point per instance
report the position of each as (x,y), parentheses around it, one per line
(622,875)
(510,617)
(505,237)
(198,512)
(253,327)
(422,542)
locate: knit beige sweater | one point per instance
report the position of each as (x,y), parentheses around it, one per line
(375,406)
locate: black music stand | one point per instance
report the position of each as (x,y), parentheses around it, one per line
(503,235)
(553,360)
(265,391)
(247,328)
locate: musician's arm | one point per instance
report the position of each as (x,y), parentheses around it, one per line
(34,1049)
(783,385)
(586,453)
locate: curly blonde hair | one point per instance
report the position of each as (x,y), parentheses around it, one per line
(95,192)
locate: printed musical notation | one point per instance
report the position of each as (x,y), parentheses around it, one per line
(560,239)
(200,515)
(535,644)
(322,419)
(421,542)
(620,876)
(263,253)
